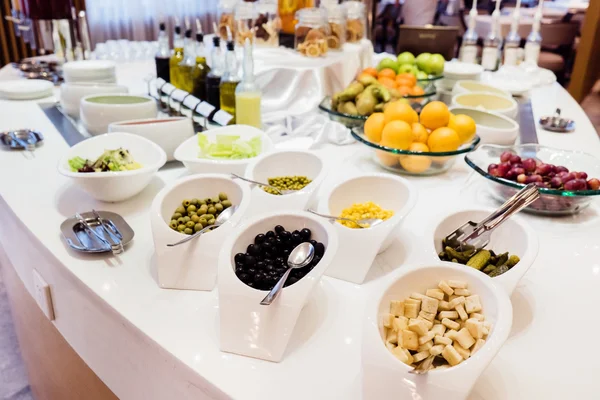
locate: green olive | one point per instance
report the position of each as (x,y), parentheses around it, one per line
(198,227)
(186,203)
(176,216)
(194,202)
(173,224)
(181,228)
(186,219)
(212,210)
(208,201)
(190,224)
(226,203)
(181,220)
(202,202)
(211,222)
(219,207)
(195,218)
(188,231)
(191,208)
(180,210)
(215,199)
(222,196)
(208,217)
(201,211)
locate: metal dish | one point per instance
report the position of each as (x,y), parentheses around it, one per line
(77,237)
(22,139)
(556,123)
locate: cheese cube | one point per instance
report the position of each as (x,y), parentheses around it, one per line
(444,306)
(456,301)
(436,350)
(440,340)
(451,355)
(488,325)
(413,301)
(428,323)
(457,284)
(411,310)
(425,346)
(420,356)
(400,324)
(474,327)
(417,296)
(448,314)
(410,340)
(438,329)
(478,344)
(392,337)
(450,298)
(401,355)
(473,304)
(464,338)
(427,316)
(461,312)
(390,346)
(418,326)
(485,331)
(435,293)
(477,316)
(462,292)
(451,334)
(426,338)
(388,320)
(446,288)
(448,323)
(464,353)
(397,308)
(410,357)
(429,304)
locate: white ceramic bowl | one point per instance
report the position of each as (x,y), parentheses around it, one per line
(465,86)
(487,102)
(168,133)
(97,116)
(514,236)
(114,186)
(492,127)
(25,89)
(254,330)
(388,191)
(193,265)
(457,70)
(188,151)
(90,71)
(285,163)
(385,377)
(72,93)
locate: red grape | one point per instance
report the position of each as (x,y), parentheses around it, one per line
(581,175)
(593,184)
(576,184)
(569,177)
(533,179)
(491,167)
(543,169)
(503,168)
(529,164)
(522,178)
(515,159)
(556,182)
(560,168)
(506,156)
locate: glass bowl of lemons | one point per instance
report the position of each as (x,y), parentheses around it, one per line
(408,143)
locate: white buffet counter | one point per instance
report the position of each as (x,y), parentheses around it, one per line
(149,343)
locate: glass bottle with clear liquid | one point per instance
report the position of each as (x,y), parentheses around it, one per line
(533,45)
(186,69)
(163,54)
(247,93)
(512,45)
(213,79)
(468,48)
(229,81)
(176,57)
(491,50)
(202,68)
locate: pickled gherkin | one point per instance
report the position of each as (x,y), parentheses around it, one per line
(487,261)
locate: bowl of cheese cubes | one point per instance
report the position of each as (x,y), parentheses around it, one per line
(454,314)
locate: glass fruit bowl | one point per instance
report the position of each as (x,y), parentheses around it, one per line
(410,162)
(551,201)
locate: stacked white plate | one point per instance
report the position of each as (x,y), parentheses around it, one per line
(23,89)
(98,71)
(457,71)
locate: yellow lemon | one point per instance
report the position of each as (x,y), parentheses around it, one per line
(416,164)
(464,126)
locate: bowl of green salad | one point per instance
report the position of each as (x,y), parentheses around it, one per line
(113,167)
(223,150)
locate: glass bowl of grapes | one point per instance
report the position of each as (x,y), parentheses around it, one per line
(567,180)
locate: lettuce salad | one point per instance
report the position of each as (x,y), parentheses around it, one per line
(229,147)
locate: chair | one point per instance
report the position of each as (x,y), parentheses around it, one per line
(428,39)
(558,39)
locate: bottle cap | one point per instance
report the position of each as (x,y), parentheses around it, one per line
(216,41)
(162,26)
(188,33)
(199,37)
(178,30)
(230,45)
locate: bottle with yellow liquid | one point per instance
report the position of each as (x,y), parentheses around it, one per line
(229,81)
(202,68)
(186,69)
(176,57)
(247,93)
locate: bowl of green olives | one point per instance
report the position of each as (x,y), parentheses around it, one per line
(183,208)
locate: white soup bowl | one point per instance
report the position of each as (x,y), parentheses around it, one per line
(96,116)
(492,128)
(487,102)
(72,93)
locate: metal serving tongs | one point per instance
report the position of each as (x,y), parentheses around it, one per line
(110,239)
(475,236)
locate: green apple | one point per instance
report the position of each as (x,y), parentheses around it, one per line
(422,75)
(436,64)
(422,61)
(406,58)
(406,69)
(388,63)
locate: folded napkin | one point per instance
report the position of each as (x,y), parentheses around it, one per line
(312,125)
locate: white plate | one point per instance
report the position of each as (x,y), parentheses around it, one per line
(23,89)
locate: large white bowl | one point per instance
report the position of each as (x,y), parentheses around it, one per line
(90,71)
(388,191)
(457,70)
(514,236)
(285,163)
(492,127)
(72,93)
(168,133)
(188,151)
(467,86)
(114,186)
(487,102)
(97,116)
(247,327)
(385,377)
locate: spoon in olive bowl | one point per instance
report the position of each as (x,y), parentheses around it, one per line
(300,257)
(221,219)
(280,191)
(362,223)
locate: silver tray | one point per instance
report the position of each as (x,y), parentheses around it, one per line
(78,239)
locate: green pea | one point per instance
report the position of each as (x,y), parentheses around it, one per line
(180,210)
(219,207)
(186,219)
(191,208)
(222,196)
(211,222)
(188,231)
(226,203)
(212,210)
(186,203)
(190,224)
(181,228)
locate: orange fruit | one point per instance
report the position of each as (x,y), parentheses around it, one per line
(416,164)
(399,110)
(464,126)
(387,73)
(435,115)
(409,77)
(387,82)
(416,91)
(397,135)
(443,139)
(404,90)
(403,82)
(420,134)
(371,71)
(374,126)
(387,159)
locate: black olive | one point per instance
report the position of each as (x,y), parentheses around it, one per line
(250,260)
(270,234)
(285,235)
(313,242)
(259,238)
(319,249)
(260,265)
(291,281)
(279,229)
(296,238)
(267,255)
(305,233)
(244,277)
(253,250)
(296,231)
(280,261)
(240,258)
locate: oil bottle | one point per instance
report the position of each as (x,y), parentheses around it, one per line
(247,93)
(213,79)
(162,55)
(187,67)
(176,57)
(202,68)
(229,81)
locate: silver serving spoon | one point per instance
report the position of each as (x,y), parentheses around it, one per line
(281,192)
(423,367)
(221,219)
(371,222)
(300,257)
